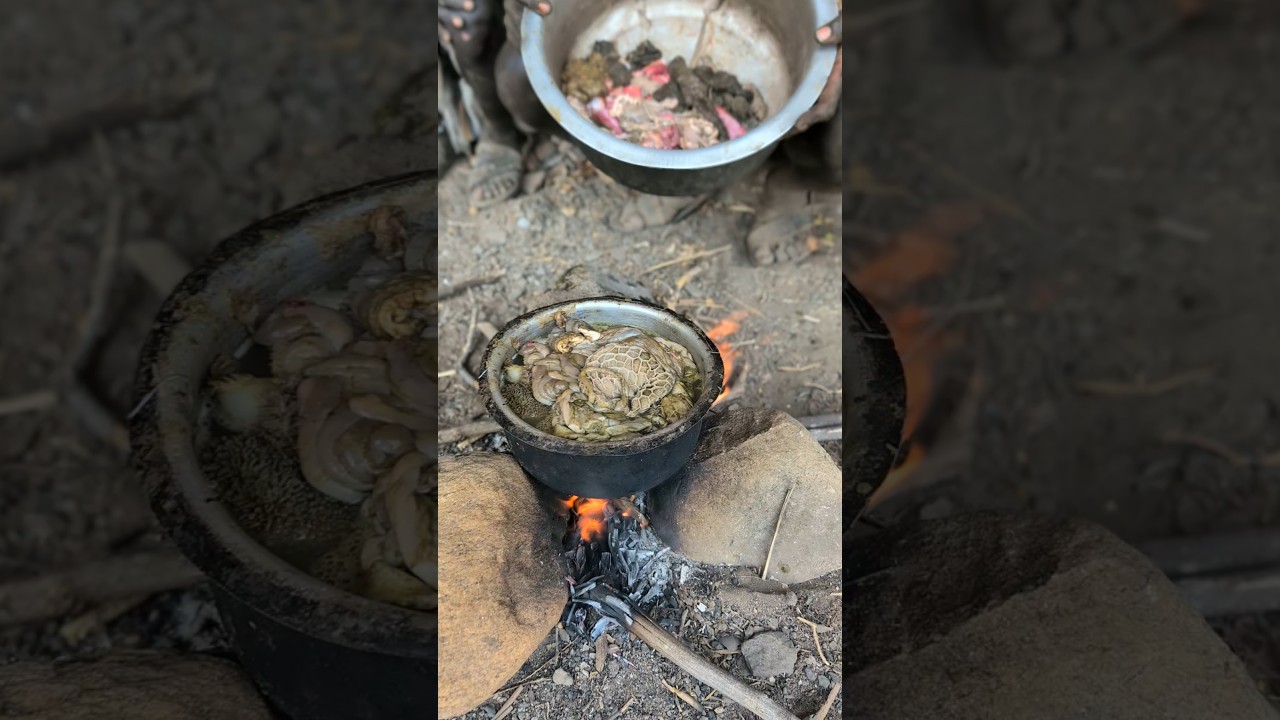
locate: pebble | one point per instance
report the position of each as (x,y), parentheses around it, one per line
(729,642)
(560,677)
(769,654)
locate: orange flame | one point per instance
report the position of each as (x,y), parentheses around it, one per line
(592,514)
(914,256)
(719,335)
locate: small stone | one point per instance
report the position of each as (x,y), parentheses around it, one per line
(729,642)
(560,677)
(824,682)
(769,654)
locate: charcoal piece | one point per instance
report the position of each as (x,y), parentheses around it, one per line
(671,90)
(693,92)
(740,108)
(644,54)
(619,73)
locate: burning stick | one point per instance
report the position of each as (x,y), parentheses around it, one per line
(629,509)
(669,646)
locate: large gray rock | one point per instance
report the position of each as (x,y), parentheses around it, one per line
(996,617)
(501,578)
(724,507)
(139,685)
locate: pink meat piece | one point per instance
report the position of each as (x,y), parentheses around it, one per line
(656,71)
(666,137)
(600,113)
(730,123)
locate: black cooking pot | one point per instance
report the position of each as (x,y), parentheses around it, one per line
(875,403)
(603,469)
(317,652)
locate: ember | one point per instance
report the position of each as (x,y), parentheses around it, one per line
(660,105)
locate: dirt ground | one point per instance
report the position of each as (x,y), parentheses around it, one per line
(790,314)
(789,339)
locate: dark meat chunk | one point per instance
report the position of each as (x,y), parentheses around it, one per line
(644,54)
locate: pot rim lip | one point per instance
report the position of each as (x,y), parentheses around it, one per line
(761,138)
(517,427)
(204,530)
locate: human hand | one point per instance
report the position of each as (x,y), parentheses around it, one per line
(829,99)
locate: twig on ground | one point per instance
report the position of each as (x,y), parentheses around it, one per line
(106,581)
(768,558)
(813,627)
(683,696)
(687,258)
(457,433)
(799,368)
(456,290)
(35,142)
(826,706)
(505,710)
(821,421)
(827,434)
(623,710)
(38,400)
(1141,387)
(1213,447)
(702,669)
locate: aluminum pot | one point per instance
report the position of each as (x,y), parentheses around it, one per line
(316,652)
(875,403)
(764,42)
(603,469)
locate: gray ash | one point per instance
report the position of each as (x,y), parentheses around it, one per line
(625,556)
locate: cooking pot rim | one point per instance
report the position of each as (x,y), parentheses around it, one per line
(713,383)
(761,138)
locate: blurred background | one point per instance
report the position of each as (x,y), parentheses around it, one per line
(1065,212)
(135,135)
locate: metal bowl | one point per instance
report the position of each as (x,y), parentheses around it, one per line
(764,42)
(306,643)
(604,469)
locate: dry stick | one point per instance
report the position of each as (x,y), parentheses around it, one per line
(764,571)
(687,258)
(505,710)
(826,706)
(670,647)
(38,400)
(813,627)
(683,696)
(106,581)
(623,710)
(466,285)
